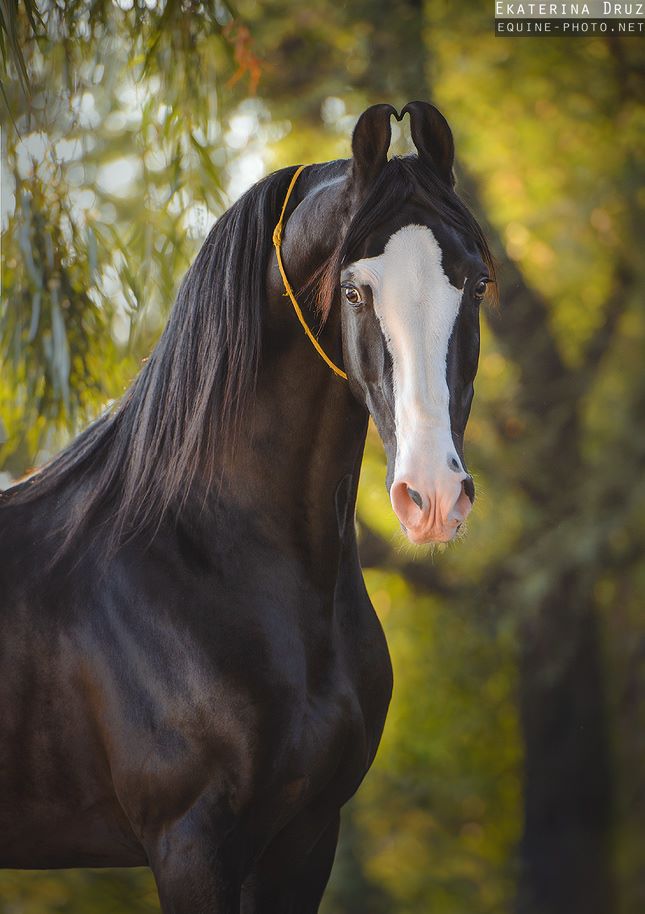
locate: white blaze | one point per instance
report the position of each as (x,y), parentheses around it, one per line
(417,307)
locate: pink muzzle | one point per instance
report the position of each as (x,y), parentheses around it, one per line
(432,513)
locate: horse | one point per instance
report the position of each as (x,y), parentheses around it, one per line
(193,676)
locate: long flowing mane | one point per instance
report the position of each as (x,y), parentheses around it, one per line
(187,401)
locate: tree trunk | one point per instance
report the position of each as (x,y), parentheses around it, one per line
(564,853)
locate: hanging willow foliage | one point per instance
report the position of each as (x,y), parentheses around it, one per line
(114,163)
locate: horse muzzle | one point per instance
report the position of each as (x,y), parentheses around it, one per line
(432,512)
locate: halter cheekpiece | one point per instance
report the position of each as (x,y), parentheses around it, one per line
(288,291)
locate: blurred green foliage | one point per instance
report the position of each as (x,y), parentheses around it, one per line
(513,754)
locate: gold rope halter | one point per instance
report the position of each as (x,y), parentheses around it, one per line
(277,242)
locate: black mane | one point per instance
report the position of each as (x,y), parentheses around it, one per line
(187,401)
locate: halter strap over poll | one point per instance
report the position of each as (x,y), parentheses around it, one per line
(288,291)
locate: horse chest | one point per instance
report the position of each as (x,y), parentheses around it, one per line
(339,717)
(321,748)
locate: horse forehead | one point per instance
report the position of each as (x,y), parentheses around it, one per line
(412,263)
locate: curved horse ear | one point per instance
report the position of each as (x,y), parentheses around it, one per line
(433,138)
(370,143)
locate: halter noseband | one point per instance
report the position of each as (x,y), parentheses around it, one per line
(288,291)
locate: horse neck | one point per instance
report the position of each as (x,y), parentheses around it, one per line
(294,468)
(297,462)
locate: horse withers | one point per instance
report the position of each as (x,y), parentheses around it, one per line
(193,676)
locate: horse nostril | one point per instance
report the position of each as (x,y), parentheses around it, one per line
(469,488)
(416,498)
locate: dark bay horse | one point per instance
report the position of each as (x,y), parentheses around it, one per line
(193,676)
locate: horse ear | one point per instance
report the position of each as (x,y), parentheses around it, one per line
(370,143)
(433,138)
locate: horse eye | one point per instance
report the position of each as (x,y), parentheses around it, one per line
(480,288)
(352,295)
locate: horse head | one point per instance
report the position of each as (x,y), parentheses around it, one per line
(411,273)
